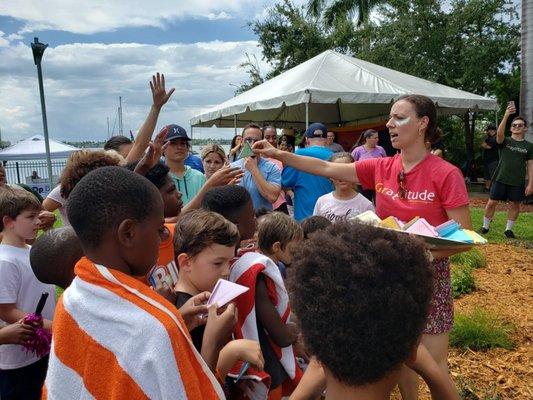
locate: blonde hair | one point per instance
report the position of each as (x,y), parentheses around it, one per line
(277,227)
(213,148)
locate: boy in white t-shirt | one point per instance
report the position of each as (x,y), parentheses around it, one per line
(344,202)
(21,373)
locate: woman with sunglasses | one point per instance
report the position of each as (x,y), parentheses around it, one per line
(409,184)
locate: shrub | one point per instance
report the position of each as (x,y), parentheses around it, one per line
(480,330)
(462,280)
(473,258)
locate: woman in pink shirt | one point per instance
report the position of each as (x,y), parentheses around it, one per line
(369,149)
(411,183)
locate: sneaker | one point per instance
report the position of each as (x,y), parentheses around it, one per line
(509,234)
(483,230)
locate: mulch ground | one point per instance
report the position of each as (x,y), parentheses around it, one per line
(504,287)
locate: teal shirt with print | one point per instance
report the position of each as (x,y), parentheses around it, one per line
(514,155)
(189,184)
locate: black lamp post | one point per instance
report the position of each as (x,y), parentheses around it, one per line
(38,49)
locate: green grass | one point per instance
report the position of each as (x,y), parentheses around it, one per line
(462,280)
(467,391)
(523,228)
(473,258)
(480,330)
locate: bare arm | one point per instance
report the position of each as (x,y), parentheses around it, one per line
(224,176)
(282,334)
(500,133)
(160,97)
(51,205)
(529,188)
(312,384)
(11,314)
(315,166)
(268,190)
(462,216)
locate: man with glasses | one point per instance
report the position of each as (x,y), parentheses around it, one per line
(262,178)
(188,181)
(509,182)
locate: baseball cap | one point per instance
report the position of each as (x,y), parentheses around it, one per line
(317,126)
(176,132)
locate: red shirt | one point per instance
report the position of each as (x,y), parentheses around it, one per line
(433,186)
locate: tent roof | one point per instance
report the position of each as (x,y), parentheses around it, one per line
(33,148)
(339,89)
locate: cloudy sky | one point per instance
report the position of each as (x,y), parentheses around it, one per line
(100,50)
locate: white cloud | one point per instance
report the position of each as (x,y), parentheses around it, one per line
(93,16)
(83,81)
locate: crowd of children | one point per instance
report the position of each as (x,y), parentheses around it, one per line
(330,308)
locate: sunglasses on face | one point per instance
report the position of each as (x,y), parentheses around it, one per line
(251,140)
(402,190)
(517,125)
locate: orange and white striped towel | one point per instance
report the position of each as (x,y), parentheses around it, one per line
(245,271)
(115,338)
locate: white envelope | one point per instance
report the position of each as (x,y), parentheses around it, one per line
(224,292)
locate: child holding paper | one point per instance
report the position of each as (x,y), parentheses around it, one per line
(204,244)
(264,309)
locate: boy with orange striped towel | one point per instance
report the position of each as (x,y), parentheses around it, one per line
(114,337)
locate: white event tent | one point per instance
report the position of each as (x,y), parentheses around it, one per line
(334,89)
(33,148)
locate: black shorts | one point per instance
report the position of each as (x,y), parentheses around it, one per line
(504,192)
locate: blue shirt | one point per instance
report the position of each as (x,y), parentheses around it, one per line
(194,162)
(270,172)
(307,188)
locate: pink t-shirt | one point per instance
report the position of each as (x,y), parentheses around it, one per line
(433,186)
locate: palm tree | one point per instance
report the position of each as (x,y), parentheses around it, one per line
(342,9)
(526,81)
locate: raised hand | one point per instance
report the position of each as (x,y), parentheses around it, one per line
(225,176)
(153,154)
(159,93)
(511,108)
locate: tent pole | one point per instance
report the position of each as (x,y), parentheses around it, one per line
(306,115)
(235,123)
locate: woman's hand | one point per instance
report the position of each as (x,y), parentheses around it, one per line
(265,149)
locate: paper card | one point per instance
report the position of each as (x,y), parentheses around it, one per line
(224,292)
(246,150)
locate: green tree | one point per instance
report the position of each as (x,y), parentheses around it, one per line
(340,10)
(471,45)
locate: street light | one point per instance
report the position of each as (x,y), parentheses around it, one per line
(38,49)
